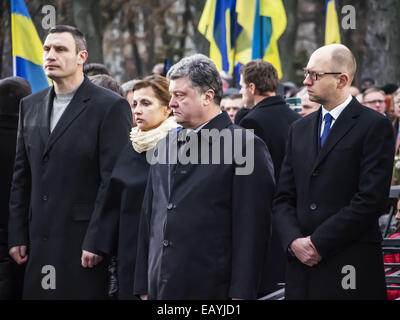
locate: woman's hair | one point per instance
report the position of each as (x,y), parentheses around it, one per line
(160,87)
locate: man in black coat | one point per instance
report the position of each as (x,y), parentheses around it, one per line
(69,137)
(334,184)
(198,239)
(12,90)
(270,118)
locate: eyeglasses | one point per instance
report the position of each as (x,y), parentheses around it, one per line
(314,76)
(374,102)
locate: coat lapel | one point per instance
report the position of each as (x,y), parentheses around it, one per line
(73,110)
(314,136)
(46,112)
(346,121)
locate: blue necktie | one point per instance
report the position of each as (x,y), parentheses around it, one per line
(328,122)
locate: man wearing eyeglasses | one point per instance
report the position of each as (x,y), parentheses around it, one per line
(333,186)
(374,98)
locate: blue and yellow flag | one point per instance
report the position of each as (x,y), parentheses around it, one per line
(242,30)
(27,49)
(219,26)
(332,33)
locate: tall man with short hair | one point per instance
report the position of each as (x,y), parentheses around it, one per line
(270,119)
(333,186)
(69,137)
(198,239)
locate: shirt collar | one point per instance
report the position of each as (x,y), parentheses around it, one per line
(201,127)
(335,112)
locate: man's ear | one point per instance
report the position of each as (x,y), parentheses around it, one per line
(344,79)
(82,56)
(209,97)
(252,87)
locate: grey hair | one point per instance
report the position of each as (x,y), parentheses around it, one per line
(201,72)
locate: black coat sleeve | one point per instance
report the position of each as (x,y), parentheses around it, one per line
(251,220)
(141,271)
(284,209)
(18,233)
(113,137)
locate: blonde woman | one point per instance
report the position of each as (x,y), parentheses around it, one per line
(116,230)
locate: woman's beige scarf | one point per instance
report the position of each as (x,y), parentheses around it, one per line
(145,140)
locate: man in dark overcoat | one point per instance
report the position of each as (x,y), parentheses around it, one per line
(270,118)
(69,137)
(198,238)
(333,186)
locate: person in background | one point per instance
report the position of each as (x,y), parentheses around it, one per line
(354,91)
(389,90)
(375,99)
(231,102)
(396,118)
(270,118)
(289,89)
(226,80)
(128,94)
(92,69)
(366,83)
(307,106)
(116,229)
(159,68)
(394,257)
(12,90)
(108,82)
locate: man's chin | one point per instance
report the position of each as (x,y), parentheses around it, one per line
(51,76)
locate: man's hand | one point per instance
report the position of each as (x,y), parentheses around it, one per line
(19,255)
(305,251)
(143,297)
(89,260)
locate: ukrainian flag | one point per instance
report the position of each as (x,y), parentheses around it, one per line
(332,33)
(242,30)
(219,26)
(27,49)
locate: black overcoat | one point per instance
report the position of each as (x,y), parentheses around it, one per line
(335,194)
(271,119)
(59,178)
(115,231)
(198,238)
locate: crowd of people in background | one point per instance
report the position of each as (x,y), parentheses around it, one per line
(125,205)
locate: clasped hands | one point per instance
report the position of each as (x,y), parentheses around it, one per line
(305,251)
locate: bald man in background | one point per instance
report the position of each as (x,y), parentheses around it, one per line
(334,184)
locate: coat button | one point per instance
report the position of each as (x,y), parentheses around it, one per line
(45,198)
(313,206)
(46,159)
(170,206)
(315,173)
(165,243)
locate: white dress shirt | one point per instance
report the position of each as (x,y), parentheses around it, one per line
(335,112)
